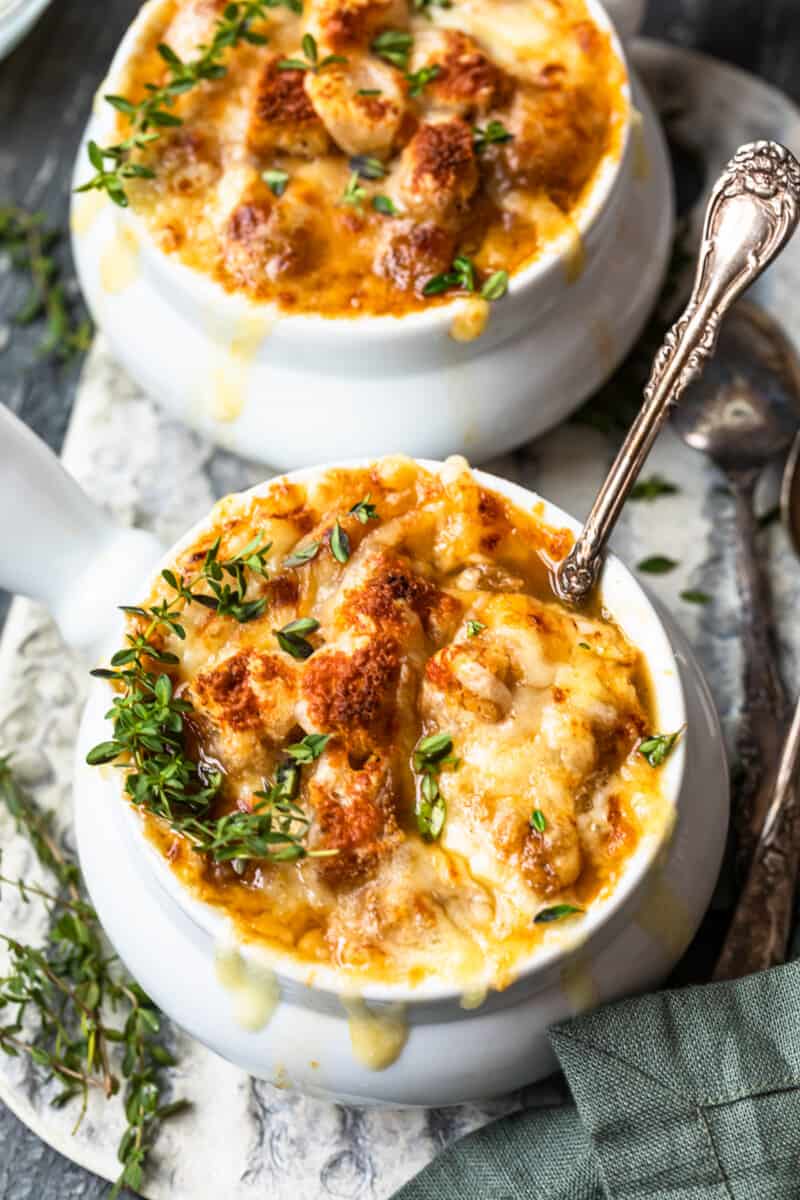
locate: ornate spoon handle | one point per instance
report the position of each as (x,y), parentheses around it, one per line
(760,927)
(753,211)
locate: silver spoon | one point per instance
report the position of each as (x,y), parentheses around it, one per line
(743,413)
(759,932)
(752,212)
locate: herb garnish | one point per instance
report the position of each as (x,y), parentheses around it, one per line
(556,912)
(366,166)
(652,488)
(226,600)
(292,639)
(694,596)
(29,243)
(538,820)
(368,92)
(312,61)
(340,544)
(462,276)
(394,46)
(354,193)
(474,628)
(305,554)
(495,286)
(149,724)
(431,755)
(418,80)
(277,181)
(59,995)
(113,164)
(364,510)
(384,205)
(657,564)
(494,134)
(275,828)
(310,748)
(657,749)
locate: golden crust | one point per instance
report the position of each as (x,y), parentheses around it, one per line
(467,80)
(342,25)
(554,82)
(438,172)
(283,119)
(440,619)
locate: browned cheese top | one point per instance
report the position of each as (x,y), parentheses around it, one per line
(539,68)
(441,620)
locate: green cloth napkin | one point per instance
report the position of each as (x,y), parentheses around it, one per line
(691,1094)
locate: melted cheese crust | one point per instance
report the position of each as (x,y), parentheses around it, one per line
(545,708)
(541,67)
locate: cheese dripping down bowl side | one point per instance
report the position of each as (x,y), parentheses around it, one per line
(345,1034)
(367,384)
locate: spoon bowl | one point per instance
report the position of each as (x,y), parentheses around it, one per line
(745,410)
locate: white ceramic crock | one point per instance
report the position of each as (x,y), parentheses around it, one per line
(295,390)
(169,940)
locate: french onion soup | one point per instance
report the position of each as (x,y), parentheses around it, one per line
(349,157)
(357,722)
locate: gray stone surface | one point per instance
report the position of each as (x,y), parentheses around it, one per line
(45,92)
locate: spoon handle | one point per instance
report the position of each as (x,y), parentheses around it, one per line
(753,211)
(760,927)
(765,710)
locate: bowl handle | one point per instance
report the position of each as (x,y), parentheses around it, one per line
(58,547)
(627,16)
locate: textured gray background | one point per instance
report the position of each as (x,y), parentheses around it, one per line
(46,89)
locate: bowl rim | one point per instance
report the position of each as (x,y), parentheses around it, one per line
(559,943)
(206,291)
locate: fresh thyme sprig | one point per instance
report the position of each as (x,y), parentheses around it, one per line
(115,165)
(55,1000)
(29,243)
(149,723)
(430,757)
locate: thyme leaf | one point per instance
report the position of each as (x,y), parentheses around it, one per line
(657,564)
(393,45)
(340,544)
(652,488)
(556,912)
(292,638)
